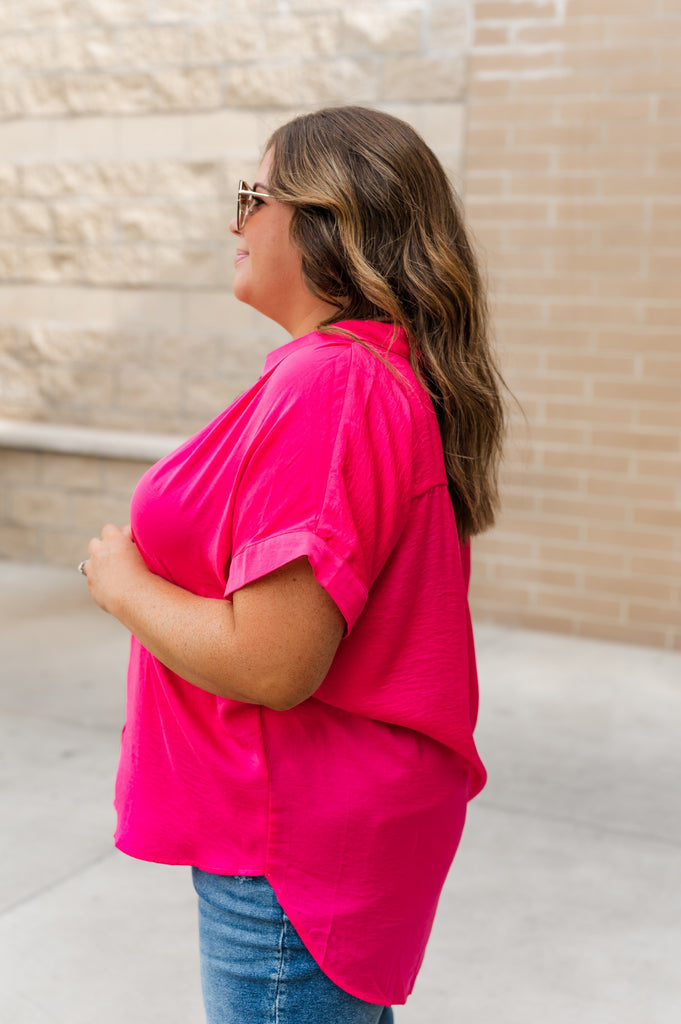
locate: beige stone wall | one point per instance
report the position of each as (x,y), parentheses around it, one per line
(124,127)
(51,503)
(572,178)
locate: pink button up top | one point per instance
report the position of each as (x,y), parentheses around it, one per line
(351,803)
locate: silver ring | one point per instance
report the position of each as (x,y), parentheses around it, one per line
(81,567)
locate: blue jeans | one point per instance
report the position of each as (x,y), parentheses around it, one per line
(254,967)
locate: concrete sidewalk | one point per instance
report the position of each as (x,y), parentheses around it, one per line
(563,906)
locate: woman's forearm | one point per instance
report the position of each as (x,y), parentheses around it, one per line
(193,636)
(272,644)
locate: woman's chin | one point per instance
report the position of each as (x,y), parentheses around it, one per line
(242,293)
(240,288)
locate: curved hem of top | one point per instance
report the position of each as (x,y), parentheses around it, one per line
(331,974)
(358,993)
(185,863)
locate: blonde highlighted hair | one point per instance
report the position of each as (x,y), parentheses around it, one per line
(382,237)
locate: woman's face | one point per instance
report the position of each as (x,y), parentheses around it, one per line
(269,274)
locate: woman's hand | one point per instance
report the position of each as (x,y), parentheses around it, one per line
(114,567)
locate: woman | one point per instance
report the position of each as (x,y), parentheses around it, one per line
(302,687)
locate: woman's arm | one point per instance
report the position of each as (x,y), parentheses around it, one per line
(272,645)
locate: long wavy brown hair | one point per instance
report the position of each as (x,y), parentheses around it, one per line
(382,236)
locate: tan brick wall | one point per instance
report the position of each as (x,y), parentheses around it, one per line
(51,504)
(124,127)
(572,182)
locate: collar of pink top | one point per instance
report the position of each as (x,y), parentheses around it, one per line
(384,336)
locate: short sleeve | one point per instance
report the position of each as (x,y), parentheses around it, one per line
(328,474)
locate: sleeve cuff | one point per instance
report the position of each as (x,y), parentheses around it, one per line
(331,572)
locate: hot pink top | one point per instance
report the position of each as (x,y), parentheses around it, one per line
(351,803)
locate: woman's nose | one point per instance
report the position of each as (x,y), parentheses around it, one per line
(233,226)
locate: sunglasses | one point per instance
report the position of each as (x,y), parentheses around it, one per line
(246,200)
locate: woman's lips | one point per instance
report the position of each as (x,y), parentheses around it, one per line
(241,254)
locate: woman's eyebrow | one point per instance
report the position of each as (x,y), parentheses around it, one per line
(259,184)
